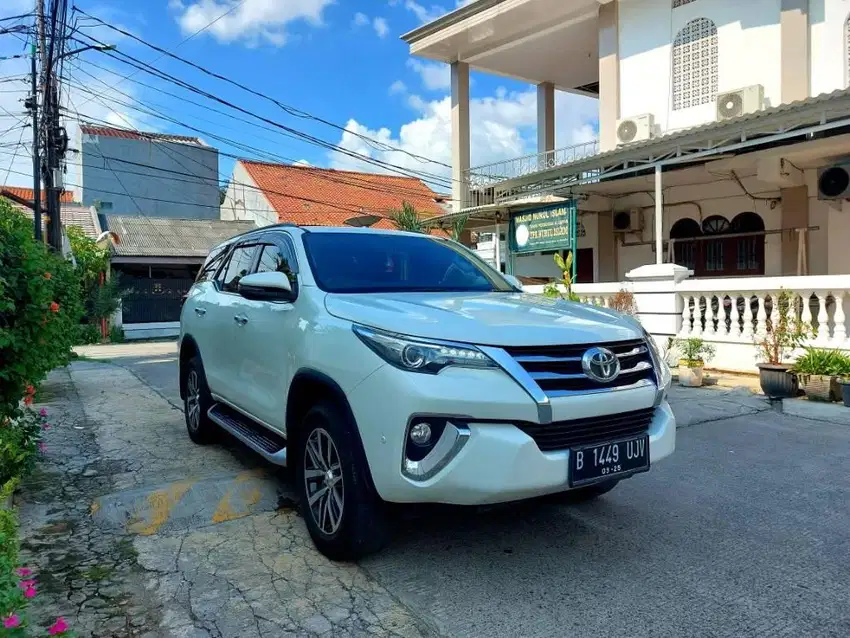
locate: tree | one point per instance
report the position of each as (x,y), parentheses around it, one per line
(101,298)
(222,192)
(407,219)
(458,224)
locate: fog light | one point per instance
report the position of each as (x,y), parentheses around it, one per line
(420,433)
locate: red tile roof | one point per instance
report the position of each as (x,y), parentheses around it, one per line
(324,197)
(26,193)
(137,135)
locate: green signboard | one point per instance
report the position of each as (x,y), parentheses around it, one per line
(542,229)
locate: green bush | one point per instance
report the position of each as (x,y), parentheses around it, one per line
(822,362)
(87,333)
(694,352)
(40,309)
(116,335)
(19,442)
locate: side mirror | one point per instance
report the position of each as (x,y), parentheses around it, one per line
(266,286)
(513,281)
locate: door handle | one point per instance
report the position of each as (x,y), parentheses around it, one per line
(200,312)
(240,319)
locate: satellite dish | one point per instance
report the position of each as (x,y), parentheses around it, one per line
(362,221)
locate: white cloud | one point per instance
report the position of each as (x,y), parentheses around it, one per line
(381,27)
(252,21)
(436,76)
(360,19)
(397,87)
(423,13)
(302,162)
(501,128)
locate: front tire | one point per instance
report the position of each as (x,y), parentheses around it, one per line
(343,513)
(196,404)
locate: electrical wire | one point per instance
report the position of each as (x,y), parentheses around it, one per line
(288,109)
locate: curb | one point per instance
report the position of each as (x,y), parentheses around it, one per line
(815,411)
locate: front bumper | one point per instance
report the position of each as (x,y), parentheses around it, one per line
(498,462)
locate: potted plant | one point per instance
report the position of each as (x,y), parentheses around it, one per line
(818,371)
(843,381)
(694,352)
(775,344)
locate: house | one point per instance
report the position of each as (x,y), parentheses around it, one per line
(123,172)
(157,259)
(720,171)
(306,195)
(72,214)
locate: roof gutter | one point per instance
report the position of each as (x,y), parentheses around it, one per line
(453,17)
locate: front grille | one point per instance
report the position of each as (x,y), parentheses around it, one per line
(563,435)
(558,372)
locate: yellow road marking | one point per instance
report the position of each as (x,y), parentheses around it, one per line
(250,496)
(161,502)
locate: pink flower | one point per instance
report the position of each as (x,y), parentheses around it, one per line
(29,592)
(42,412)
(59,627)
(45,426)
(23,572)
(12,621)
(42,447)
(26,584)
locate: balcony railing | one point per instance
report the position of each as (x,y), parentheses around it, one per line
(481,177)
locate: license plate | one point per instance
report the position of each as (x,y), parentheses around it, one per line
(600,462)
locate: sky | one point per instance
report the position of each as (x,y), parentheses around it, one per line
(338,60)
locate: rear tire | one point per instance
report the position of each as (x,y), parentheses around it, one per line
(196,404)
(344,515)
(582,494)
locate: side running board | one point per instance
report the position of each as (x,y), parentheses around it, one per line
(266,443)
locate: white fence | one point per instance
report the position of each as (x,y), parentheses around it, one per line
(732,313)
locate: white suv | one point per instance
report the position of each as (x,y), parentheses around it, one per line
(396,367)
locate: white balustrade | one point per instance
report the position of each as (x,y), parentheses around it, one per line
(740,310)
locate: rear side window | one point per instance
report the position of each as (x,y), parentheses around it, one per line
(237,267)
(207,271)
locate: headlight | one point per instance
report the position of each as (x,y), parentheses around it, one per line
(662,370)
(408,353)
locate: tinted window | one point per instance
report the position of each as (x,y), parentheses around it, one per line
(354,262)
(238,266)
(275,258)
(211,264)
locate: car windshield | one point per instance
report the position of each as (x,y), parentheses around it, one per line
(360,262)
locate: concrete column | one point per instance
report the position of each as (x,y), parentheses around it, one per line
(460,134)
(795,214)
(545,117)
(609,74)
(794,54)
(498,247)
(659,304)
(659,217)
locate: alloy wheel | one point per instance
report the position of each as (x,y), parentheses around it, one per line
(193,401)
(323,481)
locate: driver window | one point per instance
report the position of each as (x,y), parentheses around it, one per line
(238,266)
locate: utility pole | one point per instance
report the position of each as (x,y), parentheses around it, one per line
(32,104)
(50,118)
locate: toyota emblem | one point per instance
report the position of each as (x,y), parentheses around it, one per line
(600,364)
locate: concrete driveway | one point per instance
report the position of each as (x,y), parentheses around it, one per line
(743,532)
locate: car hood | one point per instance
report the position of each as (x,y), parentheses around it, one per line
(496,319)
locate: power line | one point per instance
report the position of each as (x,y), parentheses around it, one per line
(289,109)
(337,178)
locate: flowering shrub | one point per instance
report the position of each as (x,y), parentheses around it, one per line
(40,308)
(20,438)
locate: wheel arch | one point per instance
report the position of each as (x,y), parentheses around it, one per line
(188,349)
(310,387)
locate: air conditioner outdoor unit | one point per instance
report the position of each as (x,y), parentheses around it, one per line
(636,129)
(834,182)
(629,221)
(732,104)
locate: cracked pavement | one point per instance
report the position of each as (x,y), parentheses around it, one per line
(136,531)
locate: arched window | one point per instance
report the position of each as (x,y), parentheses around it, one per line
(685,252)
(695,64)
(749,251)
(715,251)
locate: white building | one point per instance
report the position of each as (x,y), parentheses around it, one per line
(717,121)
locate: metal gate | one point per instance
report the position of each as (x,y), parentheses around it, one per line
(153,300)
